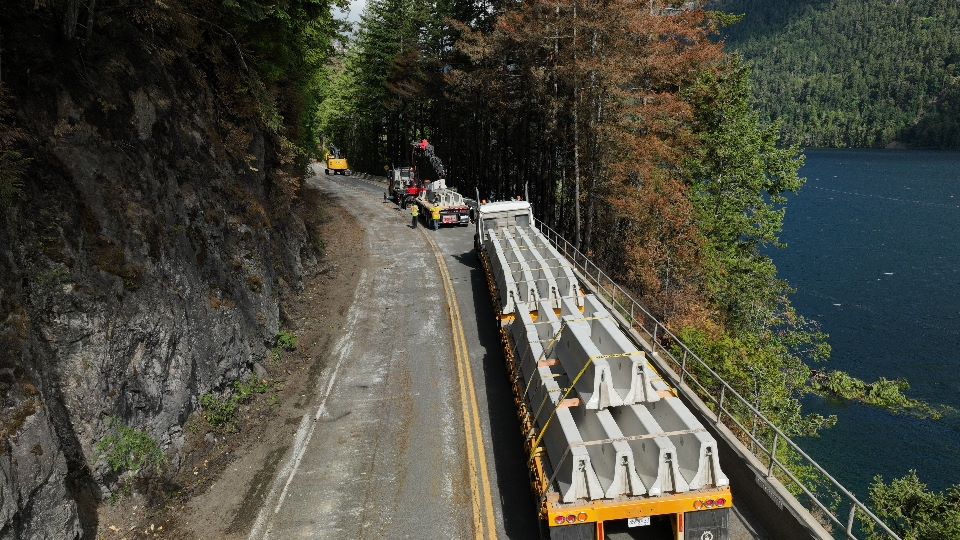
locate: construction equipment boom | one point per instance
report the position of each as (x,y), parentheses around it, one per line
(609,443)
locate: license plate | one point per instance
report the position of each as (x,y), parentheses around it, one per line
(449,219)
(638,522)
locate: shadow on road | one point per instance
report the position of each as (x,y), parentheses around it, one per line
(513,487)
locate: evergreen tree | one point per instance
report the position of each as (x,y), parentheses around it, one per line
(854,73)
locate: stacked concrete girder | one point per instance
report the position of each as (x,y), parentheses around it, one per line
(620,431)
(522,273)
(555,279)
(535,272)
(502,272)
(610,454)
(573,473)
(614,371)
(654,453)
(697,450)
(610,340)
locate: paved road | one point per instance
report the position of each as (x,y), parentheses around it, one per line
(384,453)
(396,447)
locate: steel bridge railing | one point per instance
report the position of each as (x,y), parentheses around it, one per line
(693,372)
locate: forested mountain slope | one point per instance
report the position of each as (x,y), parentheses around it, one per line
(854,73)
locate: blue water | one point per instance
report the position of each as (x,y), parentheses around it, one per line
(874,253)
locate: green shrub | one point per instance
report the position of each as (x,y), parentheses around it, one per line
(222,412)
(286,340)
(250,387)
(218,412)
(129,449)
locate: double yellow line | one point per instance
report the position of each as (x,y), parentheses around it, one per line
(483,519)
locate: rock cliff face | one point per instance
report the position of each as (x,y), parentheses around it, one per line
(143,249)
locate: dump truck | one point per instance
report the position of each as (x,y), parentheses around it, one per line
(609,444)
(336,163)
(453,208)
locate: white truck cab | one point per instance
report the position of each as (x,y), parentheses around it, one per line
(501,214)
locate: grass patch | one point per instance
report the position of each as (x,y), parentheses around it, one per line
(219,413)
(286,340)
(126,449)
(223,413)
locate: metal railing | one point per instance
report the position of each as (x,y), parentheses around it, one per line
(694,372)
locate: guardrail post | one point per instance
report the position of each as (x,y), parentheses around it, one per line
(656,328)
(683,366)
(723,392)
(853,513)
(773,453)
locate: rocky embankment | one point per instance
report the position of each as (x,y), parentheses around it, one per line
(148,223)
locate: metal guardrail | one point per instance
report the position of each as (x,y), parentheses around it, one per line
(735,416)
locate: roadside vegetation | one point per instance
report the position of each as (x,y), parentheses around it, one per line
(634,133)
(285,341)
(223,412)
(907,505)
(130,454)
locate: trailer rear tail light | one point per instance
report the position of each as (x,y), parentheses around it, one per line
(721,501)
(698,505)
(571,518)
(558,520)
(582,516)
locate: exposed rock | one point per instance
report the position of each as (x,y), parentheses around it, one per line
(140,268)
(34,498)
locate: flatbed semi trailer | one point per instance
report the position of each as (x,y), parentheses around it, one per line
(451,205)
(609,445)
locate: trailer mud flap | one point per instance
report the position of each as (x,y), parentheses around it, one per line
(706,525)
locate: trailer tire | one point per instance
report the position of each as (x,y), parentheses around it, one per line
(583,531)
(326,172)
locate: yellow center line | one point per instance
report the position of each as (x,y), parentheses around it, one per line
(472,427)
(467,426)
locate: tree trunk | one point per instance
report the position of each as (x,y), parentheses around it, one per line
(594,153)
(576,139)
(70,17)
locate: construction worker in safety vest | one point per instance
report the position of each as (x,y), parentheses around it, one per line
(435,217)
(414,213)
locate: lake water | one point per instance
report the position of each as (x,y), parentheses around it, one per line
(874,253)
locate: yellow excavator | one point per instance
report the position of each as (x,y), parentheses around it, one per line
(336,163)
